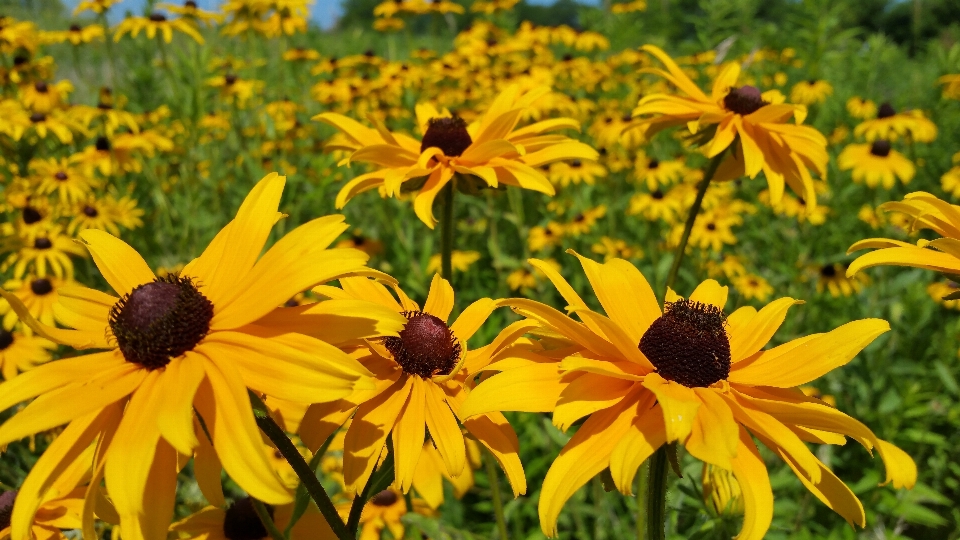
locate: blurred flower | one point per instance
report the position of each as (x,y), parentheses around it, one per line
(876,164)
(96,6)
(810,92)
(938,290)
(20,352)
(752,287)
(833,278)
(460,261)
(38,294)
(861,108)
(540,238)
(951,86)
(657,205)
(890,125)
(190,11)
(612,248)
(156,22)
(576,171)
(629,7)
(657,174)
(583,222)
(721,491)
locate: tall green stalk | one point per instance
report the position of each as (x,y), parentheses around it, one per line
(447,230)
(493,479)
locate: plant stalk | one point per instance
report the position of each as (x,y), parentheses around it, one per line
(657,495)
(446,230)
(692,217)
(267,521)
(491,464)
(307,476)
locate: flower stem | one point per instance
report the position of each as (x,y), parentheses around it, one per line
(643,482)
(657,495)
(494,481)
(446,231)
(692,217)
(267,521)
(307,476)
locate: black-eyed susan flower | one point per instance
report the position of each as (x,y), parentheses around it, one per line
(657,174)
(156,23)
(422,377)
(832,278)
(20,352)
(629,7)
(860,108)
(739,116)
(540,238)
(460,261)
(615,248)
(951,86)
(43,97)
(176,345)
(563,173)
(891,125)
(752,287)
(876,164)
(811,92)
(44,253)
(234,89)
(640,377)
(657,205)
(96,6)
(940,290)
(924,211)
(38,294)
(92,213)
(78,35)
(583,222)
(61,177)
(492,149)
(721,491)
(190,11)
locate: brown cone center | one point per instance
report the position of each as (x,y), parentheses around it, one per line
(447,134)
(689,344)
(426,346)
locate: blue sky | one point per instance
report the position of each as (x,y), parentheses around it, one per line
(324,12)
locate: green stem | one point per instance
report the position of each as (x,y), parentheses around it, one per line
(494,480)
(657,495)
(267,521)
(643,482)
(307,476)
(446,231)
(692,217)
(377,483)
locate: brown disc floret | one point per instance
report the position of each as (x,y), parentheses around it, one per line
(241,522)
(447,134)
(689,344)
(744,100)
(426,346)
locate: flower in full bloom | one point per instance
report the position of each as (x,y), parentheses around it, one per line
(640,377)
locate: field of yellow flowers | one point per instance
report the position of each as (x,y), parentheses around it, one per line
(464,270)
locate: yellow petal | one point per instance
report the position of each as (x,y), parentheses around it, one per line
(749,336)
(472,318)
(52,376)
(121,265)
(78,339)
(831,491)
(408,434)
(427,480)
(645,435)
(207,468)
(440,298)
(714,436)
(913,256)
(532,388)
(710,292)
(179,384)
(901,469)
(754,481)
(679,404)
(368,432)
(587,394)
(801,361)
(444,430)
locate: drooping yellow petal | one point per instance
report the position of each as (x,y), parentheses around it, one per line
(426,481)
(901,469)
(583,457)
(52,376)
(587,394)
(121,265)
(408,434)
(710,292)
(423,204)
(813,356)
(749,336)
(371,425)
(913,256)
(830,490)
(179,384)
(754,481)
(323,419)
(679,403)
(646,434)
(207,468)
(444,429)
(714,434)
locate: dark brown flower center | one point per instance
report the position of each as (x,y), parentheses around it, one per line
(160,320)
(42,242)
(576,164)
(190,4)
(653,164)
(387,497)
(31,215)
(157,17)
(6,508)
(102,144)
(6,340)
(41,286)
(41,87)
(90,211)
(447,134)
(828,271)
(61,176)
(880,148)
(886,110)
(426,346)
(657,195)
(711,226)
(36,117)
(241,522)
(689,344)
(229,79)
(74,27)
(744,100)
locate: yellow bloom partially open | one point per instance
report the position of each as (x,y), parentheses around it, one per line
(642,377)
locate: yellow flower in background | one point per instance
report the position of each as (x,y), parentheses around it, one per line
(891,125)
(612,248)
(876,164)
(576,171)
(492,149)
(951,86)
(96,6)
(422,375)
(38,294)
(492,6)
(640,377)
(811,92)
(240,520)
(540,238)
(657,205)
(384,512)
(861,108)
(629,7)
(460,261)
(924,211)
(43,97)
(390,24)
(739,116)
(154,23)
(657,174)
(178,344)
(190,11)
(20,352)
(583,222)
(44,253)
(63,178)
(833,279)
(752,287)
(941,289)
